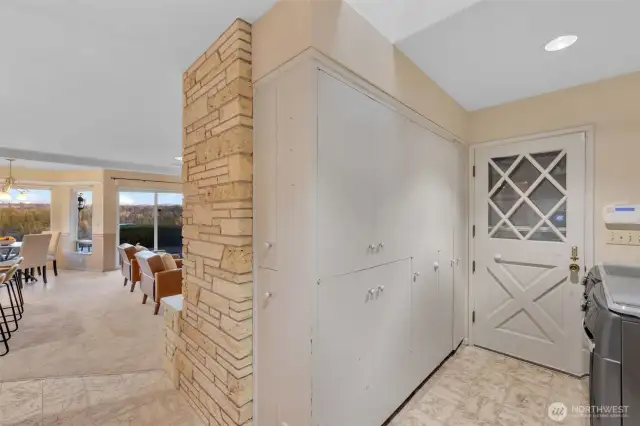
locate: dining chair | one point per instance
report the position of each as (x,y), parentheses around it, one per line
(35,248)
(52,254)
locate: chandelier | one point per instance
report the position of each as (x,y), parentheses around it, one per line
(10,183)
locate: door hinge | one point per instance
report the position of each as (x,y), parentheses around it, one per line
(474,171)
(473,232)
(473,317)
(473,267)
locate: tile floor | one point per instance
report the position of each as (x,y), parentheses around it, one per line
(88,354)
(83,323)
(137,399)
(476,387)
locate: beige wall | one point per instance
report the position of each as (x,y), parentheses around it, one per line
(613,107)
(338,31)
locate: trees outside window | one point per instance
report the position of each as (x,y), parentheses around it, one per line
(151,219)
(26,213)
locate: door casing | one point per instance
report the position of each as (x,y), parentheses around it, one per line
(589,256)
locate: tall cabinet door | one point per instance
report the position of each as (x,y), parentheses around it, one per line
(445,195)
(346,217)
(460,246)
(266,185)
(422,203)
(392,187)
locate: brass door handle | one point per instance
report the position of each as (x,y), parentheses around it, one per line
(573,266)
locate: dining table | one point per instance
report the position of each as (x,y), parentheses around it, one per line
(9,250)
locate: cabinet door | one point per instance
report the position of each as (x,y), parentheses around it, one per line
(268,344)
(392,187)
(344,362)
(345,177)
(431,247)
(362,348)
(460,247)
(393,381)
(266,180)
(445,233)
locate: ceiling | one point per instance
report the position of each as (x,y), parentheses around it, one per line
(492,52)
(42,165)
(97,83)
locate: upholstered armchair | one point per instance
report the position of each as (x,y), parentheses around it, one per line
(160,277)
(129,264)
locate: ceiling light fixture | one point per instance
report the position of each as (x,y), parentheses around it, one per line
(560,43)
(178,158)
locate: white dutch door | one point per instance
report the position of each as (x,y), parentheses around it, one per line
(529,218)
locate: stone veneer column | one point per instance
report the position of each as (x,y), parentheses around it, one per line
(209,343)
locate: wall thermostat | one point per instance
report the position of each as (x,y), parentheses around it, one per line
(622,214)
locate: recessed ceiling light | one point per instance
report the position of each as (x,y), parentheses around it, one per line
(560,43)
(177,158)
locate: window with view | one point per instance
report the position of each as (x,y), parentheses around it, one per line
(28,212)
(85,217)
(151,219)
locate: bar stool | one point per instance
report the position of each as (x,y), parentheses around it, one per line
(5,331)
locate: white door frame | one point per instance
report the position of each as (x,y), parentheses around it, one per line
(589,255)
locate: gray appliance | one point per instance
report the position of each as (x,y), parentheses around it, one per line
(612,336)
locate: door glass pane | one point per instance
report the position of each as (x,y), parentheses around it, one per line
(545,158)
(85,217)
(494,177)
(136,218)
(545,196)
(559,219)
(506,233)
(524,219)
(494,218)
(545,233)
(504,162)
(524,174)
(170,223)
(559,172)
(505,197)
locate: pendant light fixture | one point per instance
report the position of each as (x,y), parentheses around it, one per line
(9,184)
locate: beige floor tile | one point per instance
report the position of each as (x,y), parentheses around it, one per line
(21,403)
(64,401)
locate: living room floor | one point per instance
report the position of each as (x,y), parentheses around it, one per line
(87,352)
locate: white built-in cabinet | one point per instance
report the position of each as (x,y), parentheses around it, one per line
(360,249)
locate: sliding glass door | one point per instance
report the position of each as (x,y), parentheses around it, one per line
(151,219)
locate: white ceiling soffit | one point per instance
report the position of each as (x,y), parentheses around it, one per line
(492,52)
(43,165)
(398,19)
(100,80)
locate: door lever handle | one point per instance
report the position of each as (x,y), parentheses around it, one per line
(497,258)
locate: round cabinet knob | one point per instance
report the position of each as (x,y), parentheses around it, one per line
(268,245)
(268,295)
(497,257)
(436,265)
